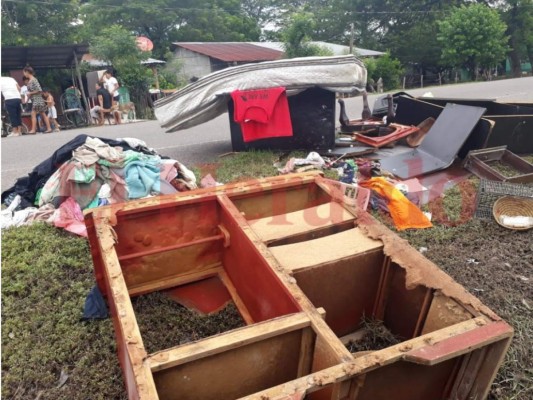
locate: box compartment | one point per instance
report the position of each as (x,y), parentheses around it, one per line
(303,270)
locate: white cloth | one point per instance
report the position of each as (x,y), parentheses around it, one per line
(9,88)
(104,192)
(134,142)
(24,94)
(52,112)
(95,112)
(111,84)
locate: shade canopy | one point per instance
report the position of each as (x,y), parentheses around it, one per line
(57,56)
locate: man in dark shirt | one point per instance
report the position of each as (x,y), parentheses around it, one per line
(106,104)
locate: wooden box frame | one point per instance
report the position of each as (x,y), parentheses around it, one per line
(293,344)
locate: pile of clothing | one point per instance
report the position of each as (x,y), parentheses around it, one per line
(90,172)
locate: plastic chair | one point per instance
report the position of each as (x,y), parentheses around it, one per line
(126,106)
(124,95)
(72,109)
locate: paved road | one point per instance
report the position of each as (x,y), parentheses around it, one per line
(205,142)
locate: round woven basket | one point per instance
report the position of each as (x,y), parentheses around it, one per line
(513,207)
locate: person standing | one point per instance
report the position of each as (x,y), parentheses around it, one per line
(11,93)
(52,112)
(26,102)
(38,103)
(111,84)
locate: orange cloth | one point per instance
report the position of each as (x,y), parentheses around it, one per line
(404,213)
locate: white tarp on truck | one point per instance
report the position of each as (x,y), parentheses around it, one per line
(207,98)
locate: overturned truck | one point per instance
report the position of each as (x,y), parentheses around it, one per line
(304,271)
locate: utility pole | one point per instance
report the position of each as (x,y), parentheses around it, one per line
(351,37)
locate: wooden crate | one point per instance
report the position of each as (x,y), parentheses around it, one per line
(303,269)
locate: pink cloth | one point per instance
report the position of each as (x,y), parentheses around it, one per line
(70,217)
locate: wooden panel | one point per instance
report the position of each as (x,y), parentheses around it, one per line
(227,341)
(403,307)
(444,312)
(277,202)
(467,373)
(155,267)
(404,381)
(493,360)
(345,289)
(234,373)
(324,250)
(256,283)
(300,221)
(158,228)
(152,233)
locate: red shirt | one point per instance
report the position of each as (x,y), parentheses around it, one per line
(262,113)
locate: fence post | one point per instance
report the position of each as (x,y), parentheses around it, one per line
(440,79)
(403,85)
(421,80)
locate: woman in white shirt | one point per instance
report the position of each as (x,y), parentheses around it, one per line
(11,92)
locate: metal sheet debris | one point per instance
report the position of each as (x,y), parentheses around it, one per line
(441,145)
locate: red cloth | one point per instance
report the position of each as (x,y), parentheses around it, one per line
(262,113)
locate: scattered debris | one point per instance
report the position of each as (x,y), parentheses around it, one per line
(63,378)
(499,164)
(376,336)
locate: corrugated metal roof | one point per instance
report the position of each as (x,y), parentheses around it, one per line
(232,51)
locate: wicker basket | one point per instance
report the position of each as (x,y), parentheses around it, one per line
(513,207)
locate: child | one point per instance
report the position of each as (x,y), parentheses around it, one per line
(52,112)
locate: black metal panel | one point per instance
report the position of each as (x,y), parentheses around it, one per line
(313,123)
(441,144)
(493,107)
(513,131)
(411,111)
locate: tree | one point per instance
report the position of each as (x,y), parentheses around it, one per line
(518,14)
(218,21)
(117,46)
(387,68)
(297,35)
(167,21)
(29,23)
(473,37)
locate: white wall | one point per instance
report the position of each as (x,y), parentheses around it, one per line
(193,64)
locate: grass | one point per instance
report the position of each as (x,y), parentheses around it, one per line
(47,273)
